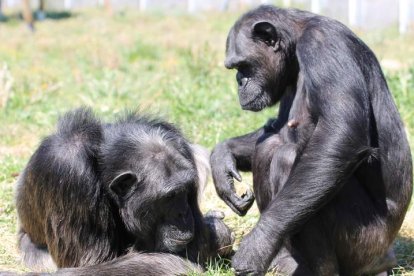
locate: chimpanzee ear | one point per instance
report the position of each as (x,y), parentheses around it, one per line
(266,32)
(123,183)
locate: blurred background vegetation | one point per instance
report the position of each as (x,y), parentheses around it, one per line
(164,63)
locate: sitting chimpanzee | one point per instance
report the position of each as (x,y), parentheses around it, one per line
(332,174)
(106,198)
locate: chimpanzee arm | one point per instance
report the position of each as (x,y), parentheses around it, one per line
(226,159)
(236,154)
(136,263)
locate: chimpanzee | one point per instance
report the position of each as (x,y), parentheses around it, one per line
(93,192)
(332,174)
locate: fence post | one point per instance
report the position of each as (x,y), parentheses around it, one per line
(68,4)
(191,6)
(315,6)
(224,5)
(404,15)
(27,14)
(142,5)
(353,12)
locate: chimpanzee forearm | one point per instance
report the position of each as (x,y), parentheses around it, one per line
(240,148)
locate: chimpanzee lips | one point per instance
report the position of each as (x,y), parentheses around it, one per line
(181,241)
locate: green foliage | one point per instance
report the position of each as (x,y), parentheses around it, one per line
(402,86)
(219,267)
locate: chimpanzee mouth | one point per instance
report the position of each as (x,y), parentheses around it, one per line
(250,96)
(177,246)
(181,242)
(252,101)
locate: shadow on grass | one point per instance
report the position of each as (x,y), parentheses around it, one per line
(3,18)
(404,250)
(58,15)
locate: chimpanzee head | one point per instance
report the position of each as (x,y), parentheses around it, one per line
(262,52)
(153,177)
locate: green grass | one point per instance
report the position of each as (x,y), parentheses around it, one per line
(168,65)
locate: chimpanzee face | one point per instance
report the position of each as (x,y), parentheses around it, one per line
(156,197)
(258,53)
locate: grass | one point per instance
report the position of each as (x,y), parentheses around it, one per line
(168,65)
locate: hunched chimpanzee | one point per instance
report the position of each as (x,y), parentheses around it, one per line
(106,197)
(332,174)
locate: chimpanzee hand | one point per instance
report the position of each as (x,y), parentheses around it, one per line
(221,236)
(254,254)
(223,166)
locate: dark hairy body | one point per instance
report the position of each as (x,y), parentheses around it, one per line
(333,172)
(108,197)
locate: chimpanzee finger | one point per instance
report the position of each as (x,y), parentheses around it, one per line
(238,204)
(215,214)
(234,173)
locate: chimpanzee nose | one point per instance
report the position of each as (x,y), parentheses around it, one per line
(232,62)
(241,78)
(228,64)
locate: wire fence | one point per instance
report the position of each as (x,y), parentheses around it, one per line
(364,14)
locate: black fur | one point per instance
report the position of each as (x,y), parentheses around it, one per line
(333,172)
(93,192)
